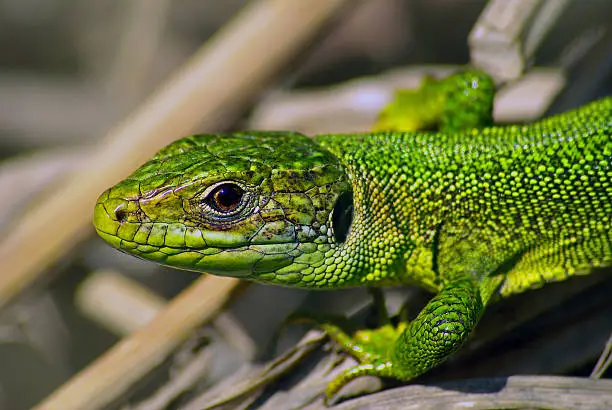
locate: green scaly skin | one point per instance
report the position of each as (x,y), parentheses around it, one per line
(468,212)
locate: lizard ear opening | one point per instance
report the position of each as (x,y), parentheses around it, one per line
(342,216)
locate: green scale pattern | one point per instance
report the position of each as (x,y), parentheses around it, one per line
(470,213)
(531,202)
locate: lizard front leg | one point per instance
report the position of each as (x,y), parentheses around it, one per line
(410,349)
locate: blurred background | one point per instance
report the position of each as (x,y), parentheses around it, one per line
(70,70)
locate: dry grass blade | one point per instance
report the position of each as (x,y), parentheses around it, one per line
(245,385)
(604,362)
(133,357)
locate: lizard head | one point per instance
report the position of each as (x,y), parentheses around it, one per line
(265,206)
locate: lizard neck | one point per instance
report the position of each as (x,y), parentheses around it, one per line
(391,238)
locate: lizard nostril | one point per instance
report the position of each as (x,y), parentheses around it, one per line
(120,213)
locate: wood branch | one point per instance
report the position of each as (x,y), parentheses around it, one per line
(547,392)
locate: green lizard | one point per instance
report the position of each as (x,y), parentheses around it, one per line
(471,212)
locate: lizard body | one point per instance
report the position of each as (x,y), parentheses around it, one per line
(470,212)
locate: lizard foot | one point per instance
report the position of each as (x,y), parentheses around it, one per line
(372,348)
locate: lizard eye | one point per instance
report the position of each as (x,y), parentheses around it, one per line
(225,198)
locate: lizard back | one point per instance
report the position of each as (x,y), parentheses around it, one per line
(532,202)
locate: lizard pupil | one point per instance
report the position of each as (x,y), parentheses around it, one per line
(226,197)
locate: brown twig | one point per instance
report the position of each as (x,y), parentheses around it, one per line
(133,357)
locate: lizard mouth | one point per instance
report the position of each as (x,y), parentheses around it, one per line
(175,245)
(242,262)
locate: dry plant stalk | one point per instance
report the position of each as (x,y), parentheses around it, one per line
(112,374)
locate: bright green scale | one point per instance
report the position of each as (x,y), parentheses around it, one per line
(470,212)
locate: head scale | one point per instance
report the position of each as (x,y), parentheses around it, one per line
(267,206)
